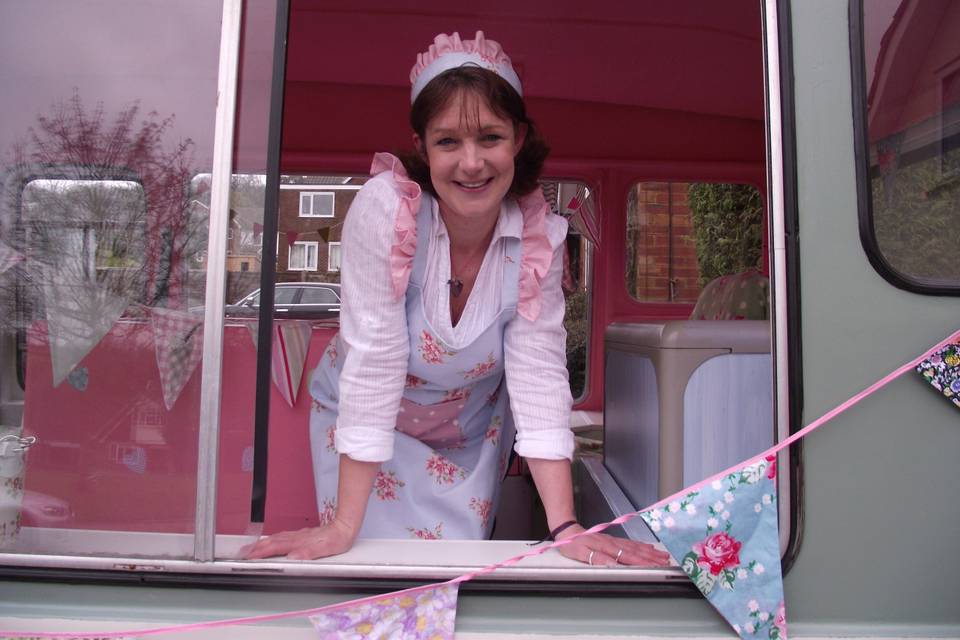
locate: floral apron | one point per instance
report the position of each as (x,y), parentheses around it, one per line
(454,429)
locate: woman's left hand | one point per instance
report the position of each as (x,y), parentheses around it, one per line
(600,549)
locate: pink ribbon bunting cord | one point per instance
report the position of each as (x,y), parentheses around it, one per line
(135,633)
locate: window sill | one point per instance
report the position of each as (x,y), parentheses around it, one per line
(383,559)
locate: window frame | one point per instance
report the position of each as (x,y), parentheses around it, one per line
(311,197)
(306,244)
(203,564)
(861,136)
(330,266)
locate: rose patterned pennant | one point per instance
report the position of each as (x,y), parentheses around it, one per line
(291,342)
(724,535)
(427,614)
(79,315)
(9,257)
(942,370)
(178,339)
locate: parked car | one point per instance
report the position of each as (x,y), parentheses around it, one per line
(293,300)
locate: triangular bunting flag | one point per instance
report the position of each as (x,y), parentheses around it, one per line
(724,536)
(178,338)
(942,370)
(292,237)
(291,342)
(79,314)
(9,257)
(324,233)
(429,614)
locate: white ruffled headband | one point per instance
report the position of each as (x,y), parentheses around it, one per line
(449,52)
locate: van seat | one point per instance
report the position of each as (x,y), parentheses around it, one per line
(737,296)
(686,398)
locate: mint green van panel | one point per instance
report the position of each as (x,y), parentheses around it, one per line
(880,518)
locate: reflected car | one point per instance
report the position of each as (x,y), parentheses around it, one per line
(314,300)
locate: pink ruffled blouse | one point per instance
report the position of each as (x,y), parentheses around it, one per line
(378,244)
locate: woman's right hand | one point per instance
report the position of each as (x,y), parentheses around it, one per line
(304,544)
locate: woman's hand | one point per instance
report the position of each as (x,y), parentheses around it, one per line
(305,544)
(600,549)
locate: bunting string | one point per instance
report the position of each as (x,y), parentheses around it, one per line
(380,598)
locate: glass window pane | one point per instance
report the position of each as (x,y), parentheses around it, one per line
(285,294)
(683,235)
(912,60)
(333,259)
(575,202)
(318,295)
(98,317)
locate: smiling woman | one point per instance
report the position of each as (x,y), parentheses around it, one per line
(394,458)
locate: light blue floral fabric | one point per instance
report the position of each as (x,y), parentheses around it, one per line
(454,430)
(725,537)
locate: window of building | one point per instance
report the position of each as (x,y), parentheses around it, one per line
(907,69)
(333,256)
(303,256)
(317,204)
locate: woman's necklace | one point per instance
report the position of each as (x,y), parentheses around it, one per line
(455,282)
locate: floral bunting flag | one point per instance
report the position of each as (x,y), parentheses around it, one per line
(942,370)
(79,315)
(724,535)
(291,342)
(428,614)
(178,339)
(9,257)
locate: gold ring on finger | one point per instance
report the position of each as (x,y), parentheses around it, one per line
(619,553)
(590,557)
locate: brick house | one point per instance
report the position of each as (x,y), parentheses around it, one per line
(312,210)
(660,229)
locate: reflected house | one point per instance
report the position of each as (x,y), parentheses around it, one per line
(244,247)
(312,211)
(913,105)
(913,120)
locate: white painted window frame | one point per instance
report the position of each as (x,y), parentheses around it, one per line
(330,266)
(311,199)
(306,244)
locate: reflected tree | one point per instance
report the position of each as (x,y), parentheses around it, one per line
(95,200)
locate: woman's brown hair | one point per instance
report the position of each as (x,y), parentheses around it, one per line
(502,99)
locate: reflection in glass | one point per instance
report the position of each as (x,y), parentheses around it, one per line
(100,219)
(913,118)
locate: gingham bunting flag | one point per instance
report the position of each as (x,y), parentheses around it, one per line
(429,614)
(178,338)
(291,342)
(724,536)
(79,315)
(9,257)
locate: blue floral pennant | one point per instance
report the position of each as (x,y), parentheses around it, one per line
(942,370)
(724,535)
(428,614)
